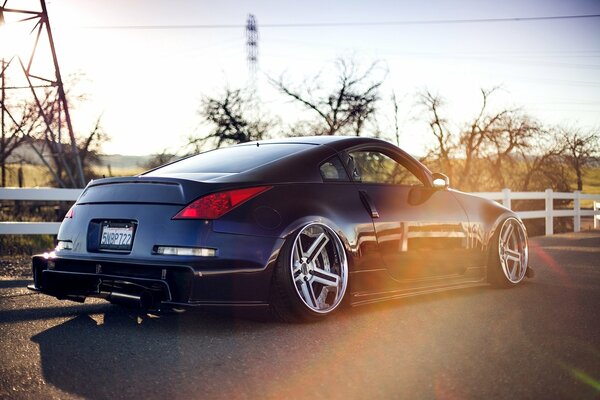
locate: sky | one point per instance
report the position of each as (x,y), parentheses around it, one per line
(145,73)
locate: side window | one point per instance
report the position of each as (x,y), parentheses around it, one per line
(371,166)
(333,170)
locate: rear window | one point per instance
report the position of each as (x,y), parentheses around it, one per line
(232,159)
(333,170)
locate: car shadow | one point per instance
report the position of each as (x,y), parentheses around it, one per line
(447,295)
(125,353)
(44,313)
(14,283)
(108,351)
(416,299)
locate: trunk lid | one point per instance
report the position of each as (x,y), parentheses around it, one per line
(146,190)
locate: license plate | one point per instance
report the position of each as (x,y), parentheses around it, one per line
(117,236)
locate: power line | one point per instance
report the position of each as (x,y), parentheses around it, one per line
(355,23)
(582,53)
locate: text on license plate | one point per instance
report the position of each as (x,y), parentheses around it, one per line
(116,237)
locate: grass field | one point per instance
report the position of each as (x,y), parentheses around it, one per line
(591,181)
(38,175)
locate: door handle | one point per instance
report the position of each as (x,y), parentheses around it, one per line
(368,203)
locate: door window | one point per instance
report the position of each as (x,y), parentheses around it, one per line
(370,166)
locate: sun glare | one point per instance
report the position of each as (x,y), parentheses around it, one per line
(18,41)
(13,39)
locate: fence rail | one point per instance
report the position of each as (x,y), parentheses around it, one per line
(549,213)
(505,197)
(35,194)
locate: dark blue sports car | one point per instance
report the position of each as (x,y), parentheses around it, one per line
(295,226)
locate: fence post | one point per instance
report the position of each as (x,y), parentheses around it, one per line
(577,209)
(549,209)
(506,198)
(595,216)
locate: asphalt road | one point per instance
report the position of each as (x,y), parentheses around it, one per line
(540,340)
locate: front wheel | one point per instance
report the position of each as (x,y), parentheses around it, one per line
(311,276)
(509,254)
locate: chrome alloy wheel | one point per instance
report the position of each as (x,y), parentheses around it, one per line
(319,268)
(512,250)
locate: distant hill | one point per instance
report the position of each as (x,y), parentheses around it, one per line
(121,161)
(118,161)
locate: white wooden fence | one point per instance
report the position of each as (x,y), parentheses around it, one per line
(505,197)
(39,194)
(549,213)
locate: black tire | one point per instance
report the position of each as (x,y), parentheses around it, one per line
(508,243)
(286,296)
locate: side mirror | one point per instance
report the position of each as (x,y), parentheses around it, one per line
(440,181)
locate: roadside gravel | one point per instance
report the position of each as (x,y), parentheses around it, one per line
(15,266)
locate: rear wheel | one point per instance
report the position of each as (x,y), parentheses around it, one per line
(509,254)
(311,276)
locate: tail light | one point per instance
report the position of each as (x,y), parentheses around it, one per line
(71,212)
(215,205)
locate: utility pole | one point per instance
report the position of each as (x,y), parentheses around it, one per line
(3,123)
(2,100)
(43,86)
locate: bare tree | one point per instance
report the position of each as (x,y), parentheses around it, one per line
(341,109)
(233,118)
(158,159)
(580,149)
(495,149)
(58,157)
(39,121)
(16,128)
(508,142)
(90,149)
(396,107)
(442,151)
(535,165)
(485,126)
(49,138)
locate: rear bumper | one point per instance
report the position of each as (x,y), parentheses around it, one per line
(153,285)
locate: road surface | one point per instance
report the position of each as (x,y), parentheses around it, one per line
(540,340)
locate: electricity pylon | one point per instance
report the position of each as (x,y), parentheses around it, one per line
(29,58)
(252,45)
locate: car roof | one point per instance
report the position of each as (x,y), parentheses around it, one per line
(337,142)
(293,167)
(340,144)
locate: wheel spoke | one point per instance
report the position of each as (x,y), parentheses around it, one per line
(316,248)
(308,294)
(297,274)
(298,252)
(506,234)
(325,278)
(321,300)
(514,269)
(511,271)
(512,255)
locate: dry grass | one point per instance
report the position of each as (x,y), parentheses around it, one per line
(38,175)
(591,181)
